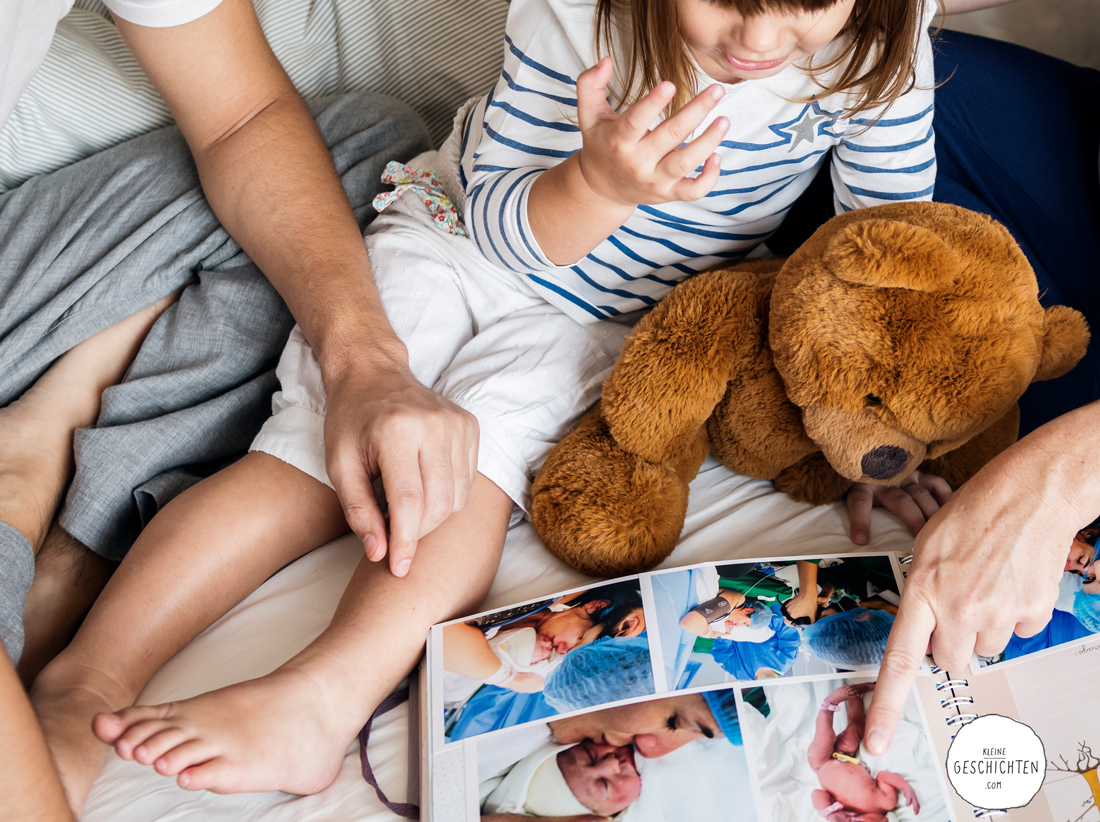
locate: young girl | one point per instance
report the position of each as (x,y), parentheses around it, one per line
(579,217)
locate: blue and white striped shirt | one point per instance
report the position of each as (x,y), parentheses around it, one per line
(527,123)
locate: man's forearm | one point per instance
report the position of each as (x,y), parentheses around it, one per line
(288,210)
(267,174)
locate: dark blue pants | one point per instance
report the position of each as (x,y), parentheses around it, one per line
(1017,138)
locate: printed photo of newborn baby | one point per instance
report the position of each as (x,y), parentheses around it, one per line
(672,757)
(806,742)
(762,620)
(534,661)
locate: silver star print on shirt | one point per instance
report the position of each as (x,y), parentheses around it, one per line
(805,130)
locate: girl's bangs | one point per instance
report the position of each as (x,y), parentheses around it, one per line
(752,7)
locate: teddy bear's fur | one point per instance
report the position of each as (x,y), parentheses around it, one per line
(896,337)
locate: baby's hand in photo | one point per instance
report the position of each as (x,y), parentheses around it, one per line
(860,689)
(624,162)
(913,500)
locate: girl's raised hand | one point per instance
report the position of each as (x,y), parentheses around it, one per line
(625,163)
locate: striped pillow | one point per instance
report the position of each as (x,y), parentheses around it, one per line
(90,93)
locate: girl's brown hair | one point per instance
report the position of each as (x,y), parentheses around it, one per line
(876,59)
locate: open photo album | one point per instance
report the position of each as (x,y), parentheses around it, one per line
(736,687)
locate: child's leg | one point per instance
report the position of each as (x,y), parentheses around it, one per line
(200,556)
(290,730)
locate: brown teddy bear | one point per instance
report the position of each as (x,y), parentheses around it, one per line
(896,337)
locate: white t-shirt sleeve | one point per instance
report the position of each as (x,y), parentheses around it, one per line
(161,13)
(889,155)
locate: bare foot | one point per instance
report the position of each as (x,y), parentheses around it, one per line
(277,733)
(36,431)
(65,711)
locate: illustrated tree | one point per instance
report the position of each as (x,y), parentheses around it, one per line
(1086,766)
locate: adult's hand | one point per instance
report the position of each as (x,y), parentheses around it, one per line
(268,176)
(914,501)
(381,422)
(988,564)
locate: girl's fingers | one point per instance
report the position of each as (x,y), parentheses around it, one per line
(592,103)
(672,133)
(639,117)
(692,188)
(686,160)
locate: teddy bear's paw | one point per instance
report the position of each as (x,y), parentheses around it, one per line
(607,512)
(812,480)
(619,522)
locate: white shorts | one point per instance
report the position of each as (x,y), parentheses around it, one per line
(478,335)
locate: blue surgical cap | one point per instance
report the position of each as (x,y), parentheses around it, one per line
(1086,608)
(723,705)
(607,670)
(850,639)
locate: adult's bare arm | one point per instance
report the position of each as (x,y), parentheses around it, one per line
(988,564)
(466,652)
(268,176)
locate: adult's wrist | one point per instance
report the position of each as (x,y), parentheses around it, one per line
(1063,449)
(348,353)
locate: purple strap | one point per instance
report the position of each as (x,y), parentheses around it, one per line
(404,809)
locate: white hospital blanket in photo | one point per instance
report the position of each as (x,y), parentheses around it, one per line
(730,518)
(777,746)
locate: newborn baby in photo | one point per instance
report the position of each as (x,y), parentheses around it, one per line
(849,793)
(587,778)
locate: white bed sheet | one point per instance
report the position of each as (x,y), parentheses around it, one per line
(730,518)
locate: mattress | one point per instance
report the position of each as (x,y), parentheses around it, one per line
(730,518)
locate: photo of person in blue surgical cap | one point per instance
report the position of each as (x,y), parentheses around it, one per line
(1076,613)
(521,664)
(766,619)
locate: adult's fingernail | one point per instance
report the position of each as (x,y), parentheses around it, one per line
(878,741)
(402,567)
(370,545)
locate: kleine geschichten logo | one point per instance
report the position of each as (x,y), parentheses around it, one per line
(995,762)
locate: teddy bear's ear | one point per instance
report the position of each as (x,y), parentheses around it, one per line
(1065,338)
(892,254)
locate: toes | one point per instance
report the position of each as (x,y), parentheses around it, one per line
(111,727)
(214,775)
(159,743)
(184,756)
(108,727)
(137,735)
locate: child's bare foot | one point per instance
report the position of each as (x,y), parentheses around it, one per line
(65,703)
(280,732)
(36,431)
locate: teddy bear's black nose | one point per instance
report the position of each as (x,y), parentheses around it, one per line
(884,462)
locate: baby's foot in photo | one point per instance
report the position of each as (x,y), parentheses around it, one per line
(278,732)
